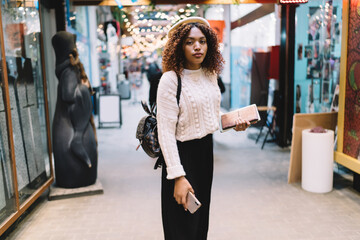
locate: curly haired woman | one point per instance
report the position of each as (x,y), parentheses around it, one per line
(185,129)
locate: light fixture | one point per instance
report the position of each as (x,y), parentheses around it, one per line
(119,4)
(293,1)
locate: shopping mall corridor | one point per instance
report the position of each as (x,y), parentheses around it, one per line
(251,198)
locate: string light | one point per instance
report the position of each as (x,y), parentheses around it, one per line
(148,29)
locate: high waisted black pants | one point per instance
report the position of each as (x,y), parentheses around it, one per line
(197,159)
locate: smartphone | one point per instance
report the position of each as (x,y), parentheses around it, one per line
(193,203)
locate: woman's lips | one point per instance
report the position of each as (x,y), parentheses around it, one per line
(197,55)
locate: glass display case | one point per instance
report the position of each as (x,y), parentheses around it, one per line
(25,164)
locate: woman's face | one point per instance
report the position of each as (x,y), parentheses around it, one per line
(195,48)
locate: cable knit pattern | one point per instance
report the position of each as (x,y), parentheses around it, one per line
(196,116)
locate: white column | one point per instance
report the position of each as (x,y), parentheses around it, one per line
(49,30)
(214,13)
(277,24)
(227,44)
(95,81)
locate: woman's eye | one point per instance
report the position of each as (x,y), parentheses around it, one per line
(202,41)
(189,42)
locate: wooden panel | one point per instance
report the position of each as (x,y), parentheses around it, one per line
(301,122)
(147,2)
(342,85)
(349,162)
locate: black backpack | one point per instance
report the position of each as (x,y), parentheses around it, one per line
(146,130)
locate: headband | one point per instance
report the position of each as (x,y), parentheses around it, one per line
(185,21)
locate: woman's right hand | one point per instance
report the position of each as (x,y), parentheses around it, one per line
(181,189)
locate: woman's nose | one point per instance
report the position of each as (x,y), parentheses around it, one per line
(197,46)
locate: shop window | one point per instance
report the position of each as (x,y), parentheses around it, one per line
(21,31)
(7,196)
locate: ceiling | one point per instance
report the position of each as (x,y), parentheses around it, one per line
(149,2)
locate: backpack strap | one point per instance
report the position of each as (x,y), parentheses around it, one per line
(178,89)
(160,161)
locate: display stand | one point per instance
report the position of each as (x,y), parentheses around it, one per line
(109,110)
(317,161)
(57,193)
(301,122)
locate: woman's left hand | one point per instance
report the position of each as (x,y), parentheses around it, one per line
(241,125)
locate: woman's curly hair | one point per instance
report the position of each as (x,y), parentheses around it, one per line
(174,57)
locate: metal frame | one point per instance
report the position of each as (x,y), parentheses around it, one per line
(20,209)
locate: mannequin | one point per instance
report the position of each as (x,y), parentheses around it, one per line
(74,141)
(112,41)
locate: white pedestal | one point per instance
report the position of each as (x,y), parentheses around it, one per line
(317,161)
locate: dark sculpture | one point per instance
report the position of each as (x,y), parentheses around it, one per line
(74,139)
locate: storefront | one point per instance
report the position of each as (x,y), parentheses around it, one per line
(25,149)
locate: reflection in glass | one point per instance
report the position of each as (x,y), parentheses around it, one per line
(22,46)
(7,198)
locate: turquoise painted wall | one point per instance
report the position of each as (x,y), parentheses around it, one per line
(304,79)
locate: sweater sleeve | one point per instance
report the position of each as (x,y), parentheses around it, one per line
(167,118)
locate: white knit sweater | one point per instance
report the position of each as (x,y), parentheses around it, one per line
(196,116)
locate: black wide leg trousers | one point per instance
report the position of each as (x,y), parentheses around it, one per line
(198,161)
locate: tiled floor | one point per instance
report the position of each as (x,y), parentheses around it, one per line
(251,198)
